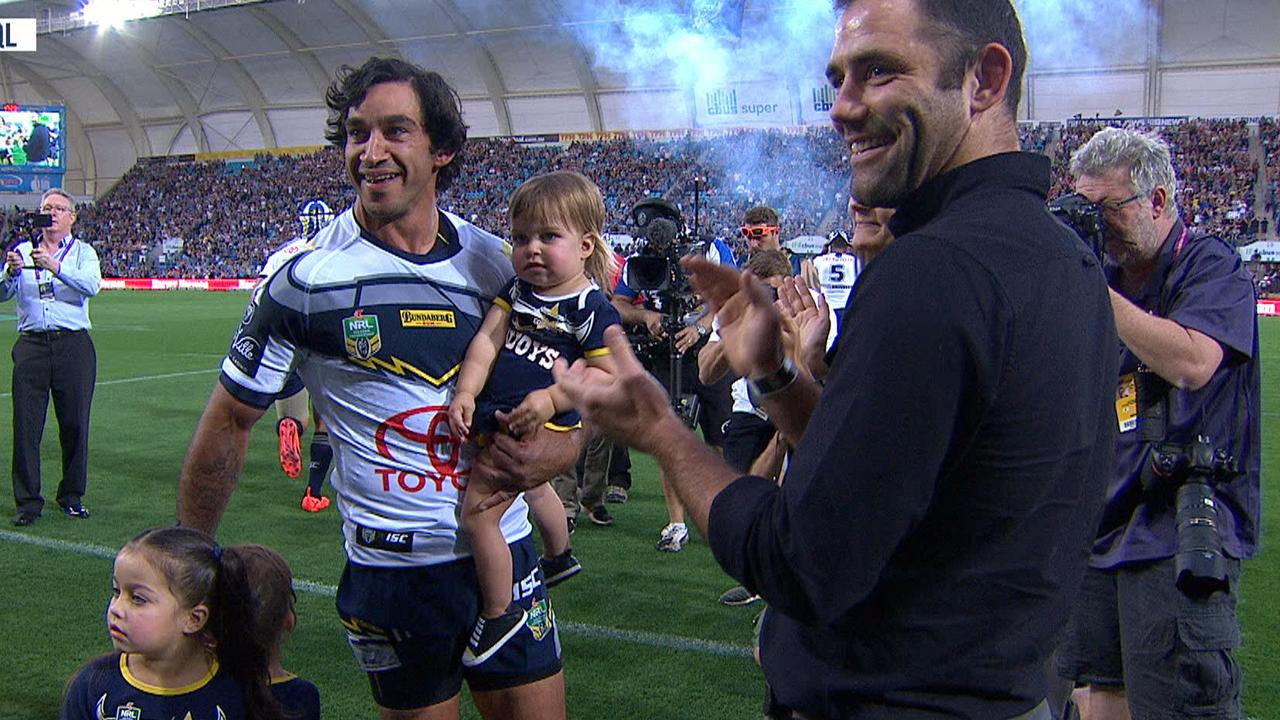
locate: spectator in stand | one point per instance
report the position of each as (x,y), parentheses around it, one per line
(213,218)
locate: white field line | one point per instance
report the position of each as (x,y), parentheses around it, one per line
(144,378)
(636,637)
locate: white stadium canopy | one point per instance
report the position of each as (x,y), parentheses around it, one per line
(228,75)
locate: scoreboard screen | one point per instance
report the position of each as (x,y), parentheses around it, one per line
(31,136)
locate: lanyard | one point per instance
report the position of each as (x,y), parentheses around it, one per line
(66,248)
(1182,241)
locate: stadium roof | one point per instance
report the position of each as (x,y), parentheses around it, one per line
(250,74)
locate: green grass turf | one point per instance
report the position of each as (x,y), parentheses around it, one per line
(643,636)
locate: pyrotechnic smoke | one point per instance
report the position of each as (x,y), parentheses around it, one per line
(663,43)
(1065,34)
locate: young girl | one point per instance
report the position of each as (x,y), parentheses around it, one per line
(553,308)
(273,600)
(182,624)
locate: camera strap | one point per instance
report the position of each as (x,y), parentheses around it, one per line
(1163,301)
(1181,243)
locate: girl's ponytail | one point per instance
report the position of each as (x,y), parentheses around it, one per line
(242,648)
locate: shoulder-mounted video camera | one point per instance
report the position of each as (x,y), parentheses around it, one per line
(655,268)
(1085,219)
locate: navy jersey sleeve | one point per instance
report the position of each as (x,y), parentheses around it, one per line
(81,695)
(1211,292)
(598,314)
(78,705)
(866,470)
(299,697)
(264,349)
(507,297)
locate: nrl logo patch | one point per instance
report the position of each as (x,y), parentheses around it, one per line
(123,712)
(363,339)
(540,619)
(368,535)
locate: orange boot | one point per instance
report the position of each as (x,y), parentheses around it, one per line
(290,433)
(314,504)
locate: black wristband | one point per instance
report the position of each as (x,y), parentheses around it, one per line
(774,381)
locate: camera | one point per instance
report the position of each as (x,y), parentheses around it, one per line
(1200,568)
(655,270)
(40,220)
(1189,471)
(1085,219)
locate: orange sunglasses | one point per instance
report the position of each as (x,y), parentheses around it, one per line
(757,231)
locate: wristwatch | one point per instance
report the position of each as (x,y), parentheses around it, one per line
(774,381)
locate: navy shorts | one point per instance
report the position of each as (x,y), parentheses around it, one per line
(1132,629)
(746,435)
(292,386)
(407,628)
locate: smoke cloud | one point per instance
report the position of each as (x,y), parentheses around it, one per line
(676,43)
(1067,34)
(663,43)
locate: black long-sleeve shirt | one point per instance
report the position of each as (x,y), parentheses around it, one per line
(936,516)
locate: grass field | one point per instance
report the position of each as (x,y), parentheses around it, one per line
(643,636)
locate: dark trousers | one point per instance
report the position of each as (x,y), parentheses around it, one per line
(620,467)
(63,364)
(583,487)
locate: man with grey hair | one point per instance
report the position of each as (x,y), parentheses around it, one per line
(53,277)
(1152,632)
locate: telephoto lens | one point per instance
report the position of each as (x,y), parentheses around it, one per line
(1199,566)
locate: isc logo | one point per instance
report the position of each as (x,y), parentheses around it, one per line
(526,586)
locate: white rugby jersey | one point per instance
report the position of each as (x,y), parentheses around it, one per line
(378,335)
(837,272)
(283,254)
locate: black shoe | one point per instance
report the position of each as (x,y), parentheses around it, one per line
(490,634)
(738,596)
(76,511)
(573,524)
(559,568)
(24,519)
(600,516)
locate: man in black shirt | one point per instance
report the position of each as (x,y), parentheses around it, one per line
(946,480)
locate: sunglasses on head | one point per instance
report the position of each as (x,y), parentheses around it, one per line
(757,231)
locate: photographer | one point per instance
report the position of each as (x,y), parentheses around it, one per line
(53,278)
(653,278)
(1138,645)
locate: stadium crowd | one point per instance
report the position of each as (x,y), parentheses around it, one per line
(1269,135)
(221,219)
